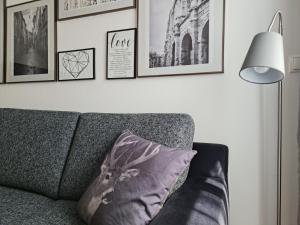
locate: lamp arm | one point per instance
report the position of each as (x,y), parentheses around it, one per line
(278,14)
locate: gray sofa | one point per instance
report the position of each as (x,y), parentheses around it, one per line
(48,158)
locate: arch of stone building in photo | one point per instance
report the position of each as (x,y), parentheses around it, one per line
(187,35)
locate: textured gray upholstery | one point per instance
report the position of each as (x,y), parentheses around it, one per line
(24,208)
(17,205)
(96,134)
(34,146)
(46,153)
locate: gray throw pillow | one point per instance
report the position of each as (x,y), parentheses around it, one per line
(135,180)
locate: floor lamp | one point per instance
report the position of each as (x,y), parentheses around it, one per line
(264,64)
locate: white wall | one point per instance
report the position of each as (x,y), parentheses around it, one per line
(291,110)
(226,109)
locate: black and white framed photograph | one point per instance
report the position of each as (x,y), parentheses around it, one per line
(180,37)
(121,54)
(31,42)
(2,42)
(76,65)
(70,9)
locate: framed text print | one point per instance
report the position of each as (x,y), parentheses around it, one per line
(179,37)
(31,42)
(121,54)
(69,9)
(76,65)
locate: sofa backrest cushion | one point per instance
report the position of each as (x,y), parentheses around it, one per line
(96,134)
(34,147)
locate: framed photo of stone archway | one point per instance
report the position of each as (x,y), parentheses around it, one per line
(31,42)
(180,37)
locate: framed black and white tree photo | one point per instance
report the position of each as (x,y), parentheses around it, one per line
(180,37)
(76,65)
(31,42)
(69,9)
(1,41)
(121,54)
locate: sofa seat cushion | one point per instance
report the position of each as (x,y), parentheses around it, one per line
(24,208)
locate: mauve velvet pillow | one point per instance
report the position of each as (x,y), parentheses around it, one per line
(135,180)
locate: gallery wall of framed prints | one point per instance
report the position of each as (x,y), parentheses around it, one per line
(173,37)
(31,42)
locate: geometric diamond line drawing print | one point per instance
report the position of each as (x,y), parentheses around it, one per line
(75,62)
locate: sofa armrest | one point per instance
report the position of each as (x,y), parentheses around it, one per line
(210,161)
(203,199)
(200,202)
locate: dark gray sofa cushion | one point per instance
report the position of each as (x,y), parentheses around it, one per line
(23,208)
(96,133)
(34,146)
(198,202)
(16,205)
(204,197)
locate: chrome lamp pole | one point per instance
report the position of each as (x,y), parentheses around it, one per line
(264,64)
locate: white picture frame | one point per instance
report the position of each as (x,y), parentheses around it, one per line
(121,54)
(31,44)
(71,9)
(182,39)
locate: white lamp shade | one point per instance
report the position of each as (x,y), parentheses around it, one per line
(264,63)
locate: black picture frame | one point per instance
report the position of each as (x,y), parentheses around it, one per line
(53,44)
(133,6)
(93,77)
(134,76)
(2,41)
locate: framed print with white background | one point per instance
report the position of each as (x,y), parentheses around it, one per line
(70,9)
(178,37)
(76,65)
(121,54)
(2,41)
(31,42)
